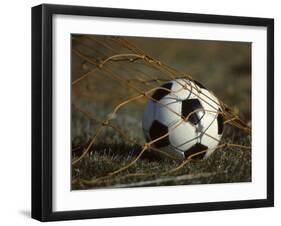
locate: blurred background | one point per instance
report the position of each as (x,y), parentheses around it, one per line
(222,67)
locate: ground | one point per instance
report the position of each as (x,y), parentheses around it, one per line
(224,166)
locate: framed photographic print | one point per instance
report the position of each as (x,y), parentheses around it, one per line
(146,112)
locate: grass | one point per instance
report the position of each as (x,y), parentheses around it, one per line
(211,63)
(225,165)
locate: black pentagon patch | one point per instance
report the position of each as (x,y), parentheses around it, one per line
(160,93)
(188,106)
(220,123)
(196,149)
(157,130)
(199,84)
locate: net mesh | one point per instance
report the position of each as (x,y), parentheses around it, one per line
(109,97)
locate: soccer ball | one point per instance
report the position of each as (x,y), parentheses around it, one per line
(190,117)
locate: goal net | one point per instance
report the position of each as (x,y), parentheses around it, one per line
(112,80)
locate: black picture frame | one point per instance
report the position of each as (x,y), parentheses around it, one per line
(42,111)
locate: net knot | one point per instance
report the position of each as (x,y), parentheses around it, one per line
(146,145)
(144,94)
(100,65)
(105,123)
